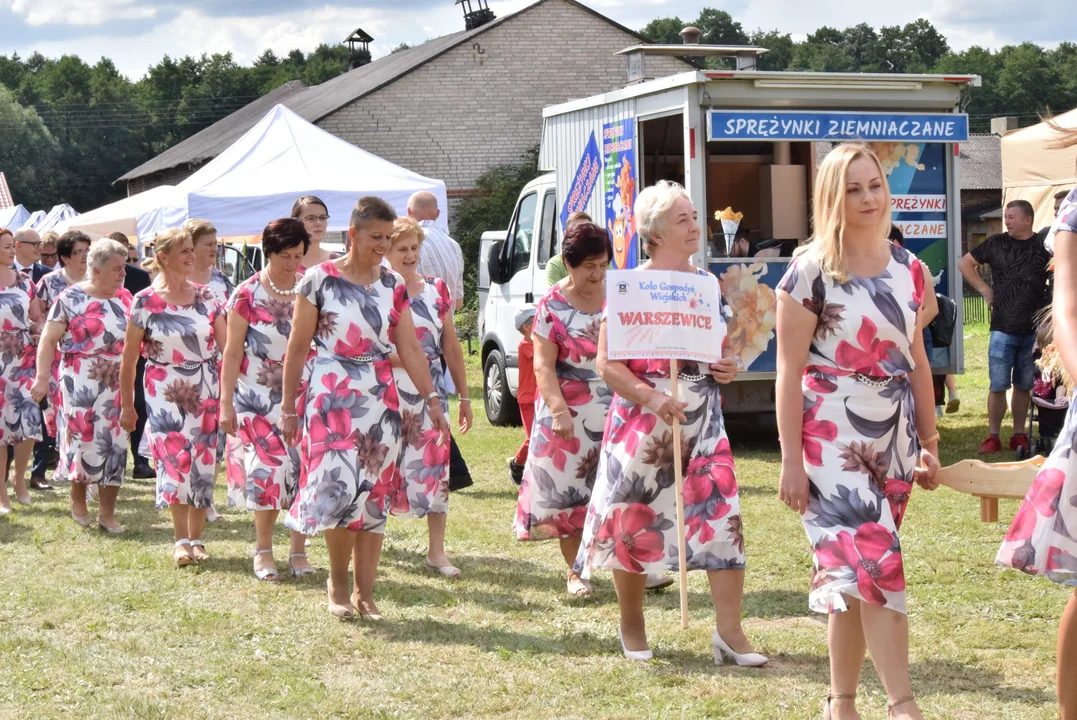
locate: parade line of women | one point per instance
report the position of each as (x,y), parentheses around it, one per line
(327,376)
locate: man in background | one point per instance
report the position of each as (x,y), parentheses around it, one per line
(1018,291)
(28,254)
(135,281)
(49,256)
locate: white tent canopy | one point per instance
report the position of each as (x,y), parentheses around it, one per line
(282,158)
(1034,170)
(36,218)
(13,218)
(139,217)
(59,214)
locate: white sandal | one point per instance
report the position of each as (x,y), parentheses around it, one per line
(185,559)
(199,544)
(299,573)
(448,571)
(268,574)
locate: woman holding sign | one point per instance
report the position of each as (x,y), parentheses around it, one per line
(631,526)
(856,412)
(573,400)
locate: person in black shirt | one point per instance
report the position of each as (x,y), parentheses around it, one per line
(1018,262)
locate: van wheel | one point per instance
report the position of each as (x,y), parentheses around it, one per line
(501,407)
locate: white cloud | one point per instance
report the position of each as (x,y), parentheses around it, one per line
(78,12)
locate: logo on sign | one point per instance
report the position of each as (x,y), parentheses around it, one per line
(622,288)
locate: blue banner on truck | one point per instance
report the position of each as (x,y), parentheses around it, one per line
(583,182)
(836,126)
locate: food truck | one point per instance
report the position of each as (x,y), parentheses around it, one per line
(745,144)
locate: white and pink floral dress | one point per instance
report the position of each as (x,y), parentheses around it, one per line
(19,418)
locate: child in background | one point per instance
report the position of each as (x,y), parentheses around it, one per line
(525,393)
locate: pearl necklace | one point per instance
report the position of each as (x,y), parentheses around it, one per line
(277,290)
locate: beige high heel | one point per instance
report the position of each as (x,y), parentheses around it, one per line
(835,696)
(897,703)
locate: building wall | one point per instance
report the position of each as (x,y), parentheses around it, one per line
(480,104)
(974,231)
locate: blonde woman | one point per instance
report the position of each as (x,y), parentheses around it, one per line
(424,464)
(856,413)
(177,325)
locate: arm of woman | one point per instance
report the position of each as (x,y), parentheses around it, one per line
(796,326)
(37,317)
(233,358)
(923,396)
(304,322)
(454,358)
(549,386)
(625,383)
(46,351)
(1064,307)
(132,346)
(418,368)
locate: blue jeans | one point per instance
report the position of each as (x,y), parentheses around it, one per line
(1010,356)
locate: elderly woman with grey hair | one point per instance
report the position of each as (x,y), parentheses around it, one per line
(631,526)
(86,325)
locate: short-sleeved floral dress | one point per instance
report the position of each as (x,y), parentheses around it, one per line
(560,474)
(268,468)
(424,463)
(631,524)
(20,419)
(351,410)
(859,431)
(49,288)
(182,393)
(93,446)
(1041,540)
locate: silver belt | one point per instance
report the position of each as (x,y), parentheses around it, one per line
(876,382)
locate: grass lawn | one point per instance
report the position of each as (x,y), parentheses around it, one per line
(105,627)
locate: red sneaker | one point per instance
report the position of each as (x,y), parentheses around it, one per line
(1019,440)
(991,445)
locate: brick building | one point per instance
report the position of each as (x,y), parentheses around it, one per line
(981,189)
(449,108)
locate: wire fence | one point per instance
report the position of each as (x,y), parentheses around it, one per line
(976,312)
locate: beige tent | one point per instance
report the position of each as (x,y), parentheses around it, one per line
(1033,170)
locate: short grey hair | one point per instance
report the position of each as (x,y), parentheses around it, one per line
(652,206)
(24,234)
(104,250)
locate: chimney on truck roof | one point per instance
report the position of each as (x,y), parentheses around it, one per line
(691,35)
(476,13)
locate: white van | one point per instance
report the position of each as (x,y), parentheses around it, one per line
(512,276)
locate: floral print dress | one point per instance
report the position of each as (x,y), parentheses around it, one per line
(631,524)
(560,474)
(1041,540)
(19,417)
(268,468)
(351,410)
(93,446)
(859,430)
(424,463)
(182,393)
(49,288)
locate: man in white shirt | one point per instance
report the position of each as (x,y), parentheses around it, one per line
(441,255)
(27,254)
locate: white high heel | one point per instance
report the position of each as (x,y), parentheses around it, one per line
(269,572)
(637,655)
(752,659)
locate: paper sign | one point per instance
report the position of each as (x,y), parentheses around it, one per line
(663,315)
(583,182)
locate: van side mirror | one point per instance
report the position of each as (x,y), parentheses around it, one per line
(493,262)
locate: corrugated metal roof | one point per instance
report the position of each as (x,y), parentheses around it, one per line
(981,163)
(314,103)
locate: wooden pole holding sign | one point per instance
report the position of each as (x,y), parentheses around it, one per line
(678,474)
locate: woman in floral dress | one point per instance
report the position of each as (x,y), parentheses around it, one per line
(314,215)
(20,320)
(177,324)
(573,401)
(71,248)
(855,414)
(1041,540)
(631,525)
(354,310)
(259,323)
(423,463)
(88,322)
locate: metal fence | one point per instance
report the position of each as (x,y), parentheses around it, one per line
(976,312)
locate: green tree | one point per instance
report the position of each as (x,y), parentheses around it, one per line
(664,31)
(29,154)
(1028,80)
(399,48)
(822,57)
(861,44)
(780,47)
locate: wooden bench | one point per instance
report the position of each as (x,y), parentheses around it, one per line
(991,481)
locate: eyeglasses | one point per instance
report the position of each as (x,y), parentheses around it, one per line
(316,218)
(31,243)
(49,256)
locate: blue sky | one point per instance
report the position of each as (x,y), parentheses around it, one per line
(137,33)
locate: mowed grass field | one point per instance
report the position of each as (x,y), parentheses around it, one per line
(92,626)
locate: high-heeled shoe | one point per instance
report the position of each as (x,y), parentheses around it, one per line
(637,655)
(343,612)
(827,714)
(752,659)
(301,572)
(897,703)
(80,520)
(363,614)
(268,574)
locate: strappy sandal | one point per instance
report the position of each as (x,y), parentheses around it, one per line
(198,551)
(827,715)
(448,571)
(578,587)
(184,559)
(268,574)
(898,703)
(299,573)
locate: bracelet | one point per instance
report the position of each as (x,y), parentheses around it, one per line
(933,438)
(286,415)
(433,396)
(566,411)
(467,400)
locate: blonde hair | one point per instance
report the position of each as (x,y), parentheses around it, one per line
(651,208)
(166,242)
(826,245)
(404,226)
(198,228)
